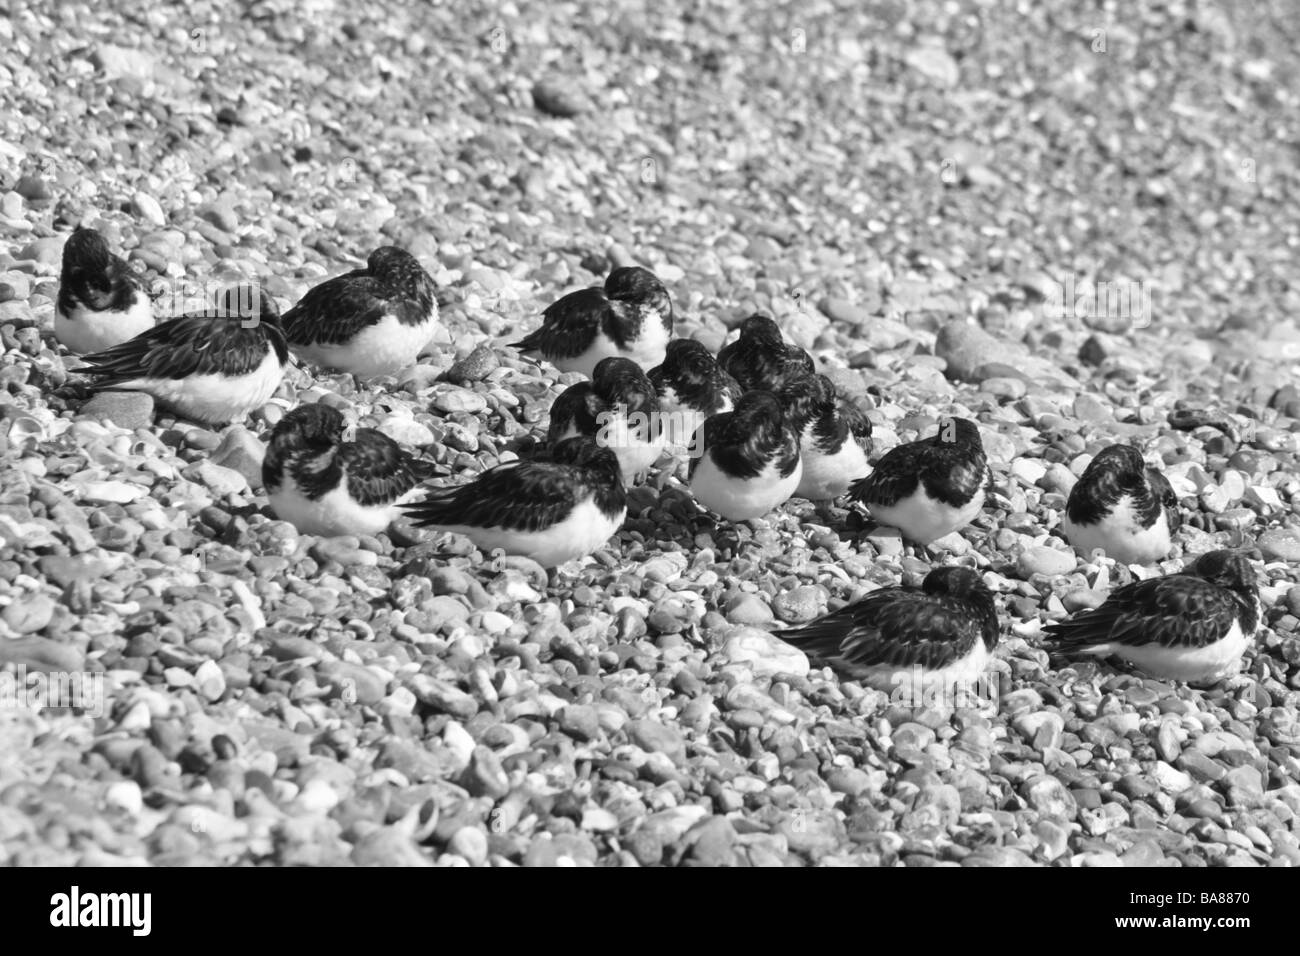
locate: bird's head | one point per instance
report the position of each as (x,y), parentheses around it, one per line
(955,581)
(806,398)
(249,303)
(762,330)
(312,427)
(85,249)
(639,286)
(686,358)
(959,431)
(396,267)
(1228,569)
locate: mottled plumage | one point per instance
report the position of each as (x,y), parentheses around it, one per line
(631,317)
(552,511)
(371,321)
(1122,507)
(931,487)
(324,485)
(212,367)
(1191,626)
(619,409)
(943,631)
(833,454)
(761,359)
(101,302)
(691,387)
(750,462)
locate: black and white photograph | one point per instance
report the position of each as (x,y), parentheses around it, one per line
(651,433)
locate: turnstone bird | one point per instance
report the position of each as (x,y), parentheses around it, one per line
(938,636)
(631,317)
(619,409)
(371,321)
(691,387)
(212,367)
(833,455)
(750,460)
(761,359)
(552,511)
(102,302)
(1122,507)
(931,487)
(1191,626)
(324,485)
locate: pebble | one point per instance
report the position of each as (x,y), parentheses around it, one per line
(211,680)
(406,431)
(460,400)
(1280,544)
(933,62)
(475,367)
(148,209)
(1083,599)
(354,683)
(1042,729)
(749,609)
(130,410)
(218,479)
(125,795)
(888,542)
(849,780)
(40,654)
(580,722)
(470,843)
(655,737)
(800,605)
(558,97)
(241,451)
(1049,797)
(29,614)
(1045,560)
(766,655)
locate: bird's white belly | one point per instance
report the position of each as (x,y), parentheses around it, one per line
(635,454)
(333,513)
(85,331)
(682,424)
(583,530)
(1194,664)
(739,499)
(647,351)
(215,398)
(922,519)
(601,348)
(384,348)
(947,685)
(1121,536)
(826,477)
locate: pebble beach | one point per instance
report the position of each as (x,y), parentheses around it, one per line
(1073,227)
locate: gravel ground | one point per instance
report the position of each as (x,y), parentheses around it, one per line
(899,184)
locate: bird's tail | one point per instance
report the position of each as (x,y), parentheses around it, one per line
(820,638)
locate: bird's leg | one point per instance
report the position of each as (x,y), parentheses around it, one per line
(923,551)
(822,509)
